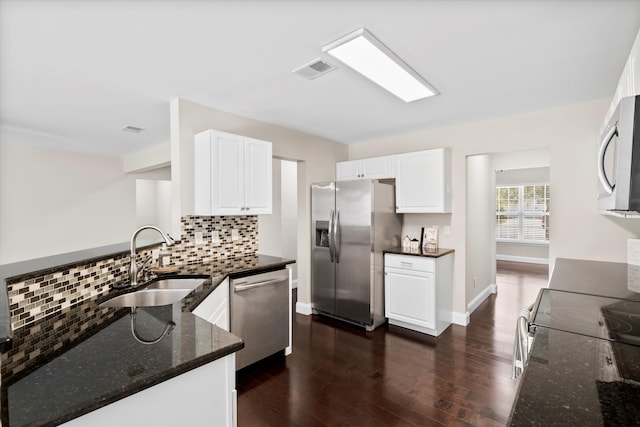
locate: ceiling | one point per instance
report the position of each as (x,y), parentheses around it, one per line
(73,73)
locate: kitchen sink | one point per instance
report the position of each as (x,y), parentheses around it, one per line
(147,298)
(176,283)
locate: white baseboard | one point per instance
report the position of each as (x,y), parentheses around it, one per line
(303,308)
(463,319)
(526,259)
(479,299)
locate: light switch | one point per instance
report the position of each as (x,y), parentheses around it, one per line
(235,235)
(215,238)
(199,238)
(447,230)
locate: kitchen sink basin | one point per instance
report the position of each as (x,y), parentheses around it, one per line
(147,298)
(176,283)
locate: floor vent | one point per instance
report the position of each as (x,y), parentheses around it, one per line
(314,69)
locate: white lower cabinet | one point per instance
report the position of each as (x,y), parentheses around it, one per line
(418,292)
(204,396)
(215,308)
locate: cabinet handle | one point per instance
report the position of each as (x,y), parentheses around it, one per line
(408,264)
(246,209)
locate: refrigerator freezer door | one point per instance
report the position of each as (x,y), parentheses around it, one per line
(323,291)
(354,236)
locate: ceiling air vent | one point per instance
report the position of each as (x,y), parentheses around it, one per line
(132,129)
(314,69)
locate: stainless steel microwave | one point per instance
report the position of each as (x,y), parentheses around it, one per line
(619,161)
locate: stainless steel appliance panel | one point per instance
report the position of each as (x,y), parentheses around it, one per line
(353,242)
(323,289)
(352,222)
(260,315)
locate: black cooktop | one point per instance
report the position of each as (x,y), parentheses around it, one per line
(606,318)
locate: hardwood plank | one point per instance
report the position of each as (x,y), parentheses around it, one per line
(340,375)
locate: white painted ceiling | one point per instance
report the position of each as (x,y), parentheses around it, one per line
(72,73)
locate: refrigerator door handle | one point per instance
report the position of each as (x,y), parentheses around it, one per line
(336,235)
(331,242)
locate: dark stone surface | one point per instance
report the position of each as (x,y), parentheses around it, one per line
(570,381)
(437,254)
(87,369)
(575,379)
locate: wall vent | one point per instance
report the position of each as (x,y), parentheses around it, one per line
(314,69)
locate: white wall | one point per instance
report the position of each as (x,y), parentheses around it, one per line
(480,225)
(278,232)
(317,157)
(289,212)
(270,226)
(153,203)
(571,134)
(53,202)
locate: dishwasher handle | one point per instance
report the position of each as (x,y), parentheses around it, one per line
(240,288)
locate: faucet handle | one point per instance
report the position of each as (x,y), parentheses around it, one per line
(144,262)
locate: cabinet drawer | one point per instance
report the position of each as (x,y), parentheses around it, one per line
(412,263)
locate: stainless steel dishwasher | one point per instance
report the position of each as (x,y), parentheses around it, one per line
(260,315)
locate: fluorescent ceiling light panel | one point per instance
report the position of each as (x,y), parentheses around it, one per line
(364,53)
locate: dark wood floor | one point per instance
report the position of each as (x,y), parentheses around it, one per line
(341,375)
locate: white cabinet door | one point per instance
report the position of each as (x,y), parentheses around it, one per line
(258,176)
(227,174)
(410,297)
(347,171)
(232,174)
(378,168)
(423,181)
(215,308)
(373,168)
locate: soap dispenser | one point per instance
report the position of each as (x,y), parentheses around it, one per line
(164,257)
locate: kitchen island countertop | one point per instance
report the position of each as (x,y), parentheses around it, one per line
(84,357)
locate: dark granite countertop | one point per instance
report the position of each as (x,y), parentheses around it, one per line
(571,380)
(576,379)
(418,252)
(85,356)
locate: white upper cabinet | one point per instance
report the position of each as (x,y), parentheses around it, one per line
(373,168)
(423,181)
(232,174)
(629,83)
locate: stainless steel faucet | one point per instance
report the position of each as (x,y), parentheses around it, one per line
(133,266)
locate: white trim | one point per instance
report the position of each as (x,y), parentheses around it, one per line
(479,299)
(526,259)
(303,308)
(522,242)
(461,319)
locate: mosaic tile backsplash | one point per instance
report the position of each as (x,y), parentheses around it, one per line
(38,297)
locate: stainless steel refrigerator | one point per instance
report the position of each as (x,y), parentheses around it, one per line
(352,223)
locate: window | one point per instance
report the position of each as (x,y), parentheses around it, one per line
(522,213)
